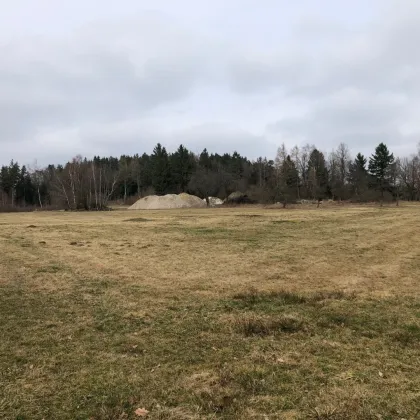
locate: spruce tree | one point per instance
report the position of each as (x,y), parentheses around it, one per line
(380,167)
(182,165)
(360,162)
(358,175)
(289,181)
(205,160)
(161,174)
(317,174)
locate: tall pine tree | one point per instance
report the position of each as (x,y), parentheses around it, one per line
(288,184)
(317,175)
(161,173)
(380,167)
(358,175)
(182,166)
(205,160)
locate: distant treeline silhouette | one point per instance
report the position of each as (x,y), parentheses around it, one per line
(296,174)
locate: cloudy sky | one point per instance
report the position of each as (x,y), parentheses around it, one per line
(116,77)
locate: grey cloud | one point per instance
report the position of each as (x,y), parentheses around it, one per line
(354,117)
(109,73)
(222,138)
(106,71)
(359,88)
(262,73)
(108,86)
(113,86)
(323,56)
(138,136)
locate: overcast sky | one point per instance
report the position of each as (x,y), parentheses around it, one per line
(110,77)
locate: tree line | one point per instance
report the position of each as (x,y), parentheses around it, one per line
(301,173)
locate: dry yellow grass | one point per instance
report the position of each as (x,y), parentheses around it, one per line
(221,313)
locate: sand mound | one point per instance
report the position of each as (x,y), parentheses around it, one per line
(169,201)
(213,201)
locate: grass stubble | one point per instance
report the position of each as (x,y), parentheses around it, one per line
(204,314)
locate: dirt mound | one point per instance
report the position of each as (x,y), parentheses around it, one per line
(169,201)
(238,197)
(213,201)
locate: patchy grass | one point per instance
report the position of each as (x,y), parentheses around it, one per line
(280,222)
(227,313)
(260,325)
(205,231)
(408,335)
(137,219)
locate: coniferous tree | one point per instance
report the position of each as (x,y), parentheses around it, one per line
(317,175)
(360,162)
(358,175)
(235,166)
(182,165)
(10,176)
(90,184)
(204,160)
(380,167)
(288,181)
(161,174)
(292,174)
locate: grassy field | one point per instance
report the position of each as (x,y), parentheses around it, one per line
(205,314)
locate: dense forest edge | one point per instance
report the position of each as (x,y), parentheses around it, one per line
(301,173)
